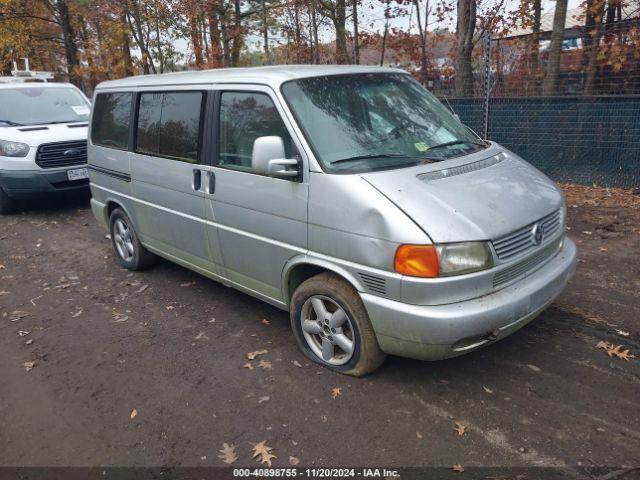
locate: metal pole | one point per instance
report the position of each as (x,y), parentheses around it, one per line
(487,87)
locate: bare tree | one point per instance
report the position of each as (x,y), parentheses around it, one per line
(555,49)
(465,28)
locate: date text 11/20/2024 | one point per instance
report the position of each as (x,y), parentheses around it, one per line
(316,472)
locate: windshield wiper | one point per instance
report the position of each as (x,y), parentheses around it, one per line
(383,156)
(60,121)
(457,142)
(11,123)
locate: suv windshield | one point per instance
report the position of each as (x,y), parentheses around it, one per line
(363,122)
(41,105)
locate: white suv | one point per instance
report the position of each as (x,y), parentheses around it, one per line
(43,141)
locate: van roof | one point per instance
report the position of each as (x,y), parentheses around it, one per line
(35,85)
(273,76)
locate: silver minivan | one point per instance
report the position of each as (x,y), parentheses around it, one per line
(348,196)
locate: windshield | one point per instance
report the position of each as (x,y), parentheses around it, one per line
(41,105)
(364,122)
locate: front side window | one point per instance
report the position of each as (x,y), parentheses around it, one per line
(245,116)
(169,124)
(111,119)
(42,106)
(364,122)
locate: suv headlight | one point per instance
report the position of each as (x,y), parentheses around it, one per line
(443,260)
(13,149)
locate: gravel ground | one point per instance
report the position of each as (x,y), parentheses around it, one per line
(170,346)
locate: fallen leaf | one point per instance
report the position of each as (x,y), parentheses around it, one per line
(29,342)
(419,435)
(619,332)
(293,461)
(248,365)
(297,364)
(488,390)
(253,355)
(603,249)
(4,292)
(265,364)
(263,399)
(263,451)
(621,354)
(17,315)
(615,350)
(170,307)
(534,368)
(228,453)
(201,336)
(23,333)
(336,392)
(2,267)
(188,284)
(265,322)
(134,414)
(457,468)
(119,317)
(142,288)
(460,428)
(29,365)
(77,314)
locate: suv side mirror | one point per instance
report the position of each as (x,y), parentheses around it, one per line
(268,158)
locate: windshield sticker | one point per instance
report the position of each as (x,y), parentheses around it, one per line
(81,109)
(421,146)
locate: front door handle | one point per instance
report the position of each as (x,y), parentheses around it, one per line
(197,180)
(211,183)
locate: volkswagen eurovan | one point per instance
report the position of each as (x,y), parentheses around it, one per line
(348,196)
(43,141)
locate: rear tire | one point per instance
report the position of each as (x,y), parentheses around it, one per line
(7,204)
(129,251)
(341,341)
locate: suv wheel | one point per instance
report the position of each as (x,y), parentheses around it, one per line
(332,327)
(129,251)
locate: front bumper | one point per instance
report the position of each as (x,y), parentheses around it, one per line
(22,184)
(442,331)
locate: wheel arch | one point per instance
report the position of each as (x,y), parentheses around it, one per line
(303,267)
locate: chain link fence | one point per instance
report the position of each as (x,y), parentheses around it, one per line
(583,129)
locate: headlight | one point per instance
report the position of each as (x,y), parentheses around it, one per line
(444,260)
(466,257)
(13,149)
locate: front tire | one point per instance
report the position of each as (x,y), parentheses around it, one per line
(332,327)
(7,204)
(129,251)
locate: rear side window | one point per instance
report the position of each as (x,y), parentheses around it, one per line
(169,124)
(111,119)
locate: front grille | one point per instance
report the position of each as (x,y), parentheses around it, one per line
(62,154)
(527,265)
(373,283)
(521,240)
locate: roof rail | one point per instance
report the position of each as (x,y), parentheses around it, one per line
(26,75)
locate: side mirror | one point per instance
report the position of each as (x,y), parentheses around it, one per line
(268,158)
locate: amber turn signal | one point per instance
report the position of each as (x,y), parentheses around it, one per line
(417,261)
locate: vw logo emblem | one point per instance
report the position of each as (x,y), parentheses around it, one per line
(537,233)
(72,152)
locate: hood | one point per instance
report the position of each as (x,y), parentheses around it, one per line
(34,135)
(481,196)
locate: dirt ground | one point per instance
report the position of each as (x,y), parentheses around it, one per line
(170,346)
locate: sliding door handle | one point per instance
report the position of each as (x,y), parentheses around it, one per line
(197,180)
(211,183)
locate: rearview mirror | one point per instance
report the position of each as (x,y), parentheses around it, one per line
(268,158)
